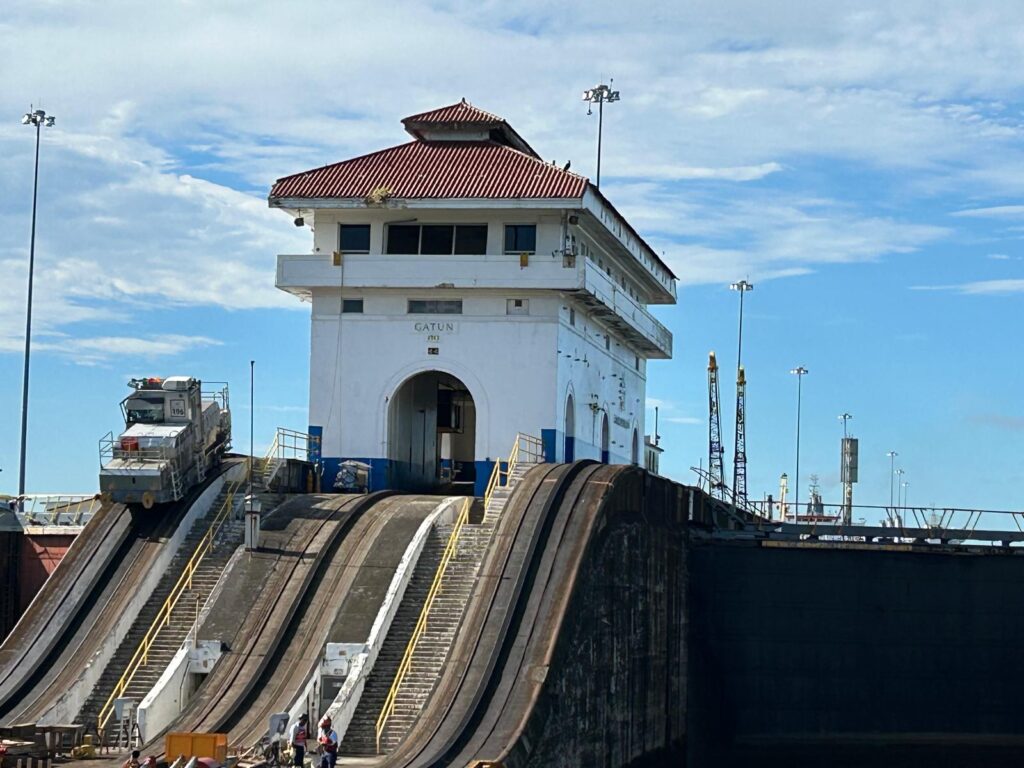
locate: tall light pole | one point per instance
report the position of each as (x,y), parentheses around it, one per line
(599,94)
(892,473)
(799,372)
(899,495)
(38,118)
(906,485)
(252,420)
(739,461)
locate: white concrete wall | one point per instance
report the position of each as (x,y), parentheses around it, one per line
(68,706)
(608,378)
(172,691)
(353,379)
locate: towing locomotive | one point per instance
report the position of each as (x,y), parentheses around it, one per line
(175,433)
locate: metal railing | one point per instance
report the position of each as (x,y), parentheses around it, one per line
(909,522)
(48,508)
(526,449)
(421,625)
(163,616)
(116,448)
(287,444)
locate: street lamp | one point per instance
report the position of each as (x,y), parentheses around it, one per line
(905,484)
(799,372)
(892,472)
(599,94)
(845,417)
(38,118)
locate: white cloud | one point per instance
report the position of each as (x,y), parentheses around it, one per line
(155,176)
(979,287)
(102,349)
(689,173)
(994,212)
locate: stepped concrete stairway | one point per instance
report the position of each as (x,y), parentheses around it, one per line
(171,637)
(435,644)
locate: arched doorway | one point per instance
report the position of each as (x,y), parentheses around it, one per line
(570,429)
(431,433)
(635,452)
(605,440)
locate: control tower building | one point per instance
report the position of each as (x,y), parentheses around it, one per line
(464,290)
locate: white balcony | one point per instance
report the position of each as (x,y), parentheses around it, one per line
(300,274)
(616,308)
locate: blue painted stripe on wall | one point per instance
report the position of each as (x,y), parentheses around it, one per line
(548,438)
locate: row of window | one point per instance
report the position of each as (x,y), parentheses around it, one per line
(437,306)
(437,239)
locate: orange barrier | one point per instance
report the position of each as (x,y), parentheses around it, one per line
(190,745)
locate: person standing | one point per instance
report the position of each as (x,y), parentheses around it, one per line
(328,739)
(297,737)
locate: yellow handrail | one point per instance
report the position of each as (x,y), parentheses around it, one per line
(421,625)
(163,616)
(533,450)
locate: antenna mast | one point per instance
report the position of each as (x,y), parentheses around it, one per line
(716,470)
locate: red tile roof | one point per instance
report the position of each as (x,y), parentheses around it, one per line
(462,112)
(437,169)
(432,125)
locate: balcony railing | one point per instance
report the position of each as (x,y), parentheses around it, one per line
(616,308)
(302,273)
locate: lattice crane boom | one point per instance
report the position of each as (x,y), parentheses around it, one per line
(716,470)
(739,465)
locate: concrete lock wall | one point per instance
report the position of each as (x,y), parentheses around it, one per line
(68,706)
(615,691)
(835,656)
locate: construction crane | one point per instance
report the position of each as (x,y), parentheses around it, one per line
(716,470)
(739,464)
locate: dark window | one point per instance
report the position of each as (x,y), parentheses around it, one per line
(437,239)
(354,238)
(403,238)
(520,238)
(636,362)
(435,307)
(607,342)
(471,239)
(572,316)
(351,306)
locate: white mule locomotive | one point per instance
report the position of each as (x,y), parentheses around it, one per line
(175,433)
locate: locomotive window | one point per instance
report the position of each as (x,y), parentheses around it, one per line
(141,410)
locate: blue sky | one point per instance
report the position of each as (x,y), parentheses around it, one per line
(863,167)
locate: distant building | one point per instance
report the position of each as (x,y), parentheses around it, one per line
(464,290)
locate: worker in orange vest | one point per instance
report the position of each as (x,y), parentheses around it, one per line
(298,737)
(328,739)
